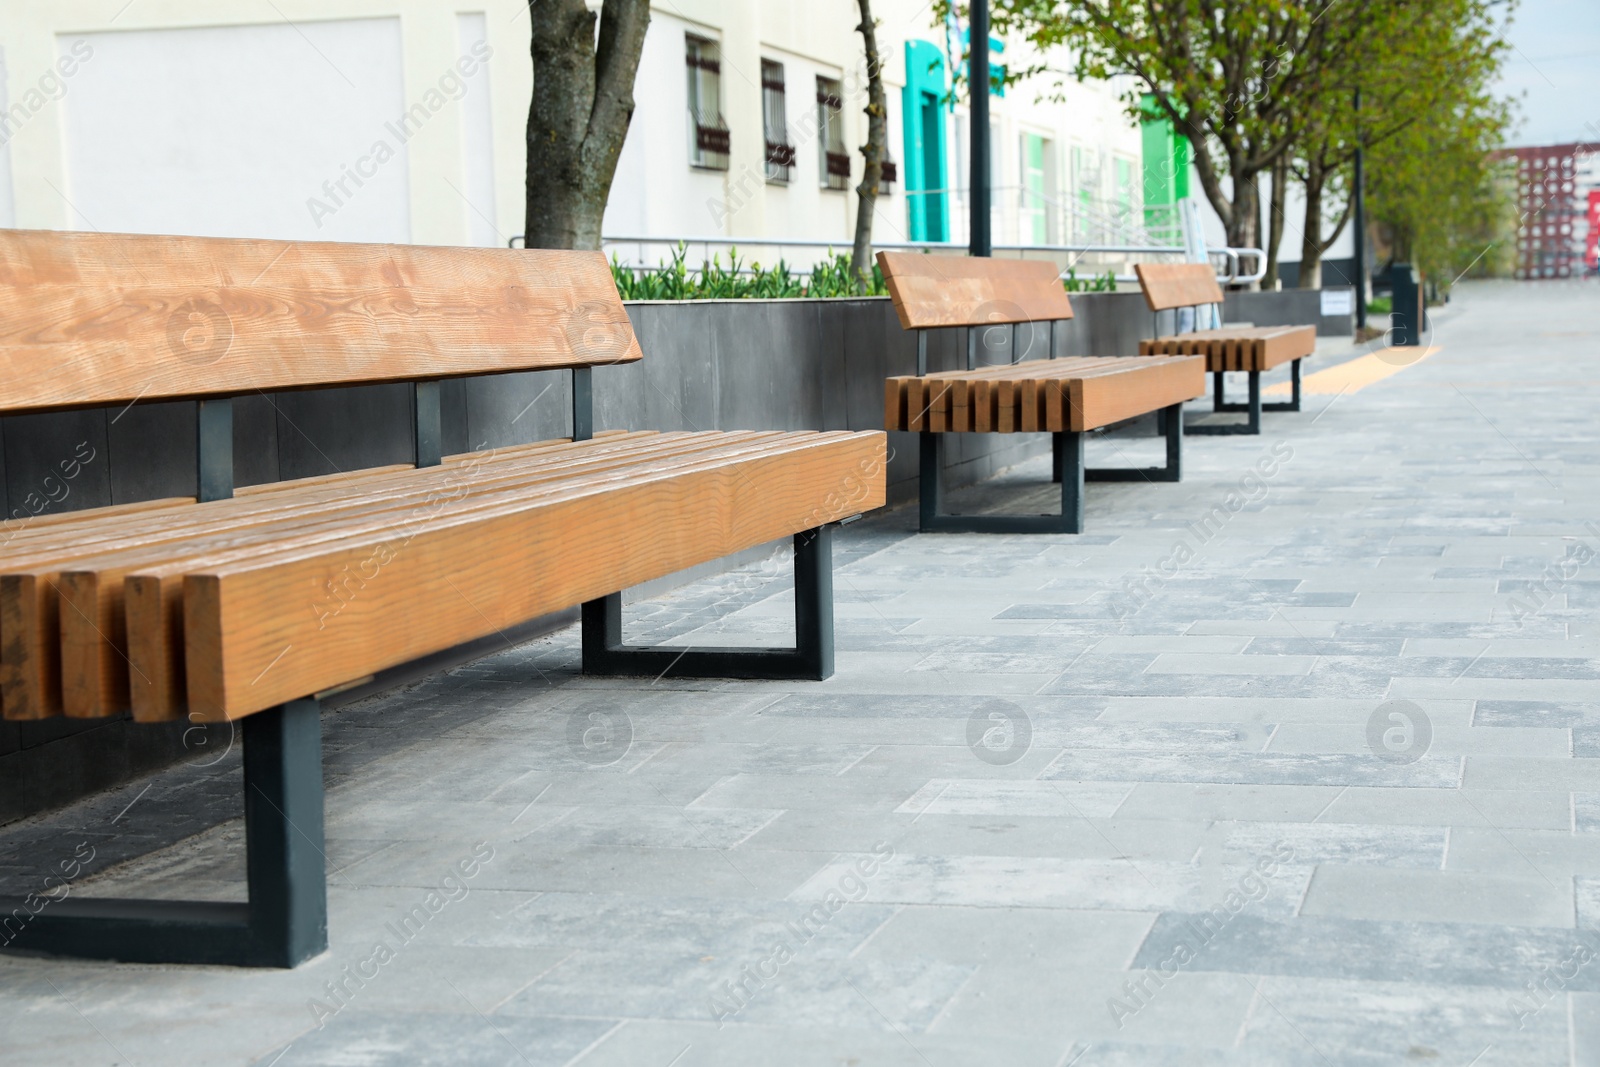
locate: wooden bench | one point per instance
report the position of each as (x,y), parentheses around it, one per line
(245,605)
(1252,349)
(1063,397)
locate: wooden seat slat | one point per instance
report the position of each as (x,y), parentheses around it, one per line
(152,598)
(13,529)
(310,494)
(29,605)
(94,663)
(246,648)
(1240,348)
(89,318)
(47,526)
(1034,396)
(88,585)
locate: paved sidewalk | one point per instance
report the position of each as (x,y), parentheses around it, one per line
(1293,763)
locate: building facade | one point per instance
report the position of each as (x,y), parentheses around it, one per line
(404,120)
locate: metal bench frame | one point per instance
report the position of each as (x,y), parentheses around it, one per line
(1067,463)
(1252,408)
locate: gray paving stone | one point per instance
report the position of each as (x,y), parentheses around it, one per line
(383,1039)
(1183,729)
(1434,953)
(1267,768)
(1346,844)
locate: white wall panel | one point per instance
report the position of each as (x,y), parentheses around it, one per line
(285,131)
(477,135)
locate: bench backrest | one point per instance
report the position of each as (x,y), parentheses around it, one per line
(1177,285)
(88,318)
(931,291)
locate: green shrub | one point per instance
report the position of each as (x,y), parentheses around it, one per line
(1099,283)
(832,277)
(714,281)
(1380,305)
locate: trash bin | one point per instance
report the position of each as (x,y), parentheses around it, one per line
(1408,318)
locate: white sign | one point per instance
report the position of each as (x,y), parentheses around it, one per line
(1338,302)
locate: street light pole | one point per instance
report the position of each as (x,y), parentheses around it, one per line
(1361,225)
(978,77)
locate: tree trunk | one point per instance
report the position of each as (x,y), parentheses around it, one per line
(1311,232)
(582,105)
(877,146)
(1244,210)
(1275,220)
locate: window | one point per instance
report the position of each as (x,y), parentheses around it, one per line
(1035,206)
(834,161)
(1122,169)
(1086,190)
(708,144)
(780,153)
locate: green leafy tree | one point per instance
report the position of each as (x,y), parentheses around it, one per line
(1438,196)
(1231,75)
(1424,73)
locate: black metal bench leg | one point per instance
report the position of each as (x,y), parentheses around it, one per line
(1294,401)
(1069,455)
(1217,396)
(933,520)
(1252,410)
(1174,434)
(1172,429)
(285,921)
(810,658)
(931,478)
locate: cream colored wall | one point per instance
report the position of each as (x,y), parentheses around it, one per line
(655,188)
(31,34)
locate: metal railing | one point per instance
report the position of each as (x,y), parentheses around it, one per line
(1231,273)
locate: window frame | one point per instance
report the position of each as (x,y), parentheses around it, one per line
(833,157)
(709,137)
(780,152)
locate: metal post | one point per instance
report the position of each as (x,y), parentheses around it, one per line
(427,423)
(1360,221)
(1069,453)
(283,816)
(214,449)
(972,349)
(922,352)
(1254,423)
(931,471)
(1174,431)
(582,403)
(813,600)
(978,76)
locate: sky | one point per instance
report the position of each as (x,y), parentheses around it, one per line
(1554,67)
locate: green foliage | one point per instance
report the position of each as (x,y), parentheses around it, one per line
(713,281)
(1436,192)
(1429,123)
(1096,283)
(1380,305)
(1229,74)
(1267,85)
